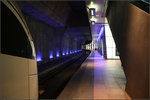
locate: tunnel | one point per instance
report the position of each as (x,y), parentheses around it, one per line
(74,49)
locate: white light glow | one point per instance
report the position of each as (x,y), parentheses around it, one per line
(93,22)
(96,6)
(100,33)
(92,12)
(93,19)
(110,44)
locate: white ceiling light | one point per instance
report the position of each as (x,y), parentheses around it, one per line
(92,22)
(92,11)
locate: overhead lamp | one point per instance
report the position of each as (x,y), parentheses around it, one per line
(92,22)
(92,11)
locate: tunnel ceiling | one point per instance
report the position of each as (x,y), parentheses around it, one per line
(78,22)
(53,13)
(71,15)
(79,16)
(80,33)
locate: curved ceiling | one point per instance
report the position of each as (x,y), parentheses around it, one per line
(71,15)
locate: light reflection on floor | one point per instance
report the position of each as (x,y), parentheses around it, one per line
(97,78)
(109,79)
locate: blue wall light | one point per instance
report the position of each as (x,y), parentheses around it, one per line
(57,54)
(79,50)
(51,55)
(67,52)
(75,51)
(70,52)
(63,53)
(38,57)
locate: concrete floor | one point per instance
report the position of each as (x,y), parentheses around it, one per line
(97,78)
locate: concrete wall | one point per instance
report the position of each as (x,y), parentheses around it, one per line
(48,39)
(130,29)
(48,24)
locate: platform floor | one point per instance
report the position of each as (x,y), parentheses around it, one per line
(97,78)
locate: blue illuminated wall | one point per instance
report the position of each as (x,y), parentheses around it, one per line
(51,55)
(49,35)
(38,57)
(101,41)
(52,44)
